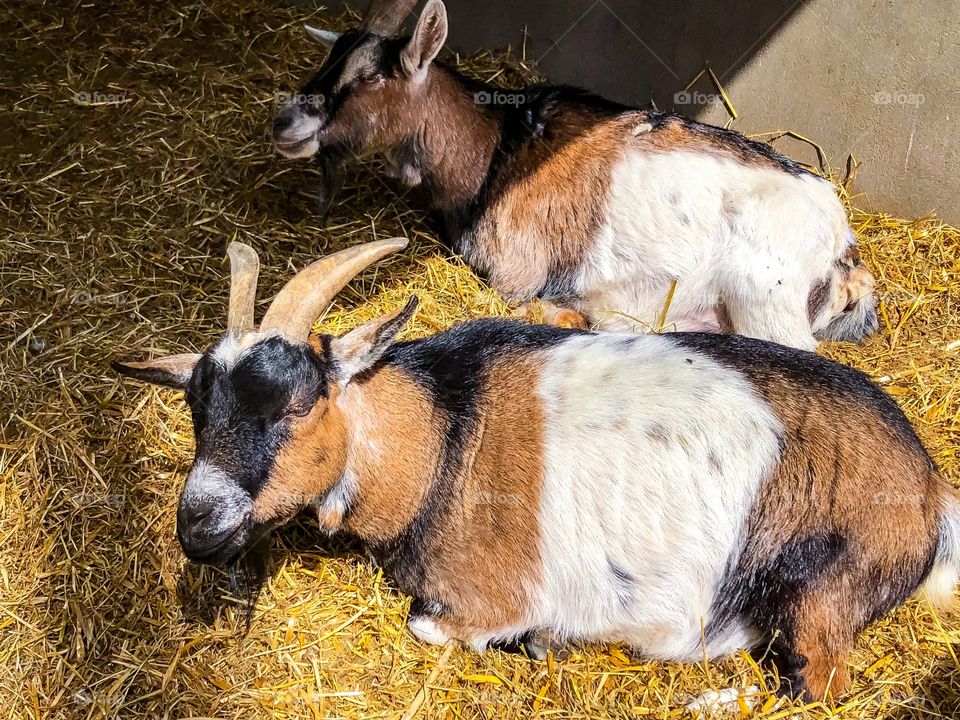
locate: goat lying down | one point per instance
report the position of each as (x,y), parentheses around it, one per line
(521,480)
(608,213)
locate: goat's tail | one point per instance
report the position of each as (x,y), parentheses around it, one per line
(857,321)
(853,300)
(941,584)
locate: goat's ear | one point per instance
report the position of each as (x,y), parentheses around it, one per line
(428,38)
(171,371)
(360,348)
(325,37)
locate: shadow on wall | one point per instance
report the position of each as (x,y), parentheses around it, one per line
(661,45)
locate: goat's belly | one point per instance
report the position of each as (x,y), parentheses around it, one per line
(654,458)
(679,639)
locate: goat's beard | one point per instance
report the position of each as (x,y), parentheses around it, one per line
(330,162)
(248,573)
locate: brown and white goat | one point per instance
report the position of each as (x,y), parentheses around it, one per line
(689,494)
(599,209)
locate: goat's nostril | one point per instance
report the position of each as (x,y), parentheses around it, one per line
(197,512)
(280,124)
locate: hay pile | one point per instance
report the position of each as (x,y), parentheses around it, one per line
(134,151)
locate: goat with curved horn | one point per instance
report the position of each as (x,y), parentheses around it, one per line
(385,17)
(304,297)
(244,270)
(540,485)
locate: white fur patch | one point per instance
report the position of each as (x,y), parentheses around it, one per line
(426,630)
(332,507)
(207,482)
(231,348)
(751,237)
(654,455)
(941,585)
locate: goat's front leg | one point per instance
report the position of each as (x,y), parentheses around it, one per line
(439,631)
(552,314)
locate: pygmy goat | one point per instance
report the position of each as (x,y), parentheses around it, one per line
(686,493)
(622,218)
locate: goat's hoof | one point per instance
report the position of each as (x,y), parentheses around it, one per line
(569,319)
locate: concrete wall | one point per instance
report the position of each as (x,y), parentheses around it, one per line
(876,78)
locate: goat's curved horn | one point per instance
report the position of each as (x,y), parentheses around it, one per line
(385,17)
(244,269)
(308,292)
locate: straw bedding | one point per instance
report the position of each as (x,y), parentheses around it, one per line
(134,147)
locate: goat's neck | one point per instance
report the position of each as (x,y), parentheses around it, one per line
(454,145)
(392,455)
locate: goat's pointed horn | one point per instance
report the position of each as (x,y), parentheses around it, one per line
(308,292)
(244,269)
(385,17)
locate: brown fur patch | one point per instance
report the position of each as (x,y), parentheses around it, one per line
(723,318)
(836,453)
(486,551)
(482,556)
(307,465)
(380,429)
(546,215)
(394,451)
(383,434)
(824,638)
(458,167)
(856,499)
(414,123)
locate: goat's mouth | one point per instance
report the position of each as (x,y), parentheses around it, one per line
(223,549)
(297,148)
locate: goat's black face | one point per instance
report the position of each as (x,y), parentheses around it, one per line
(242,403)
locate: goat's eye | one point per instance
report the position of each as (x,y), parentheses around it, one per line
(296,410)
(371,78)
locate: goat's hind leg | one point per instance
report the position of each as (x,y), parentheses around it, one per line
(813,640)
(779,320)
